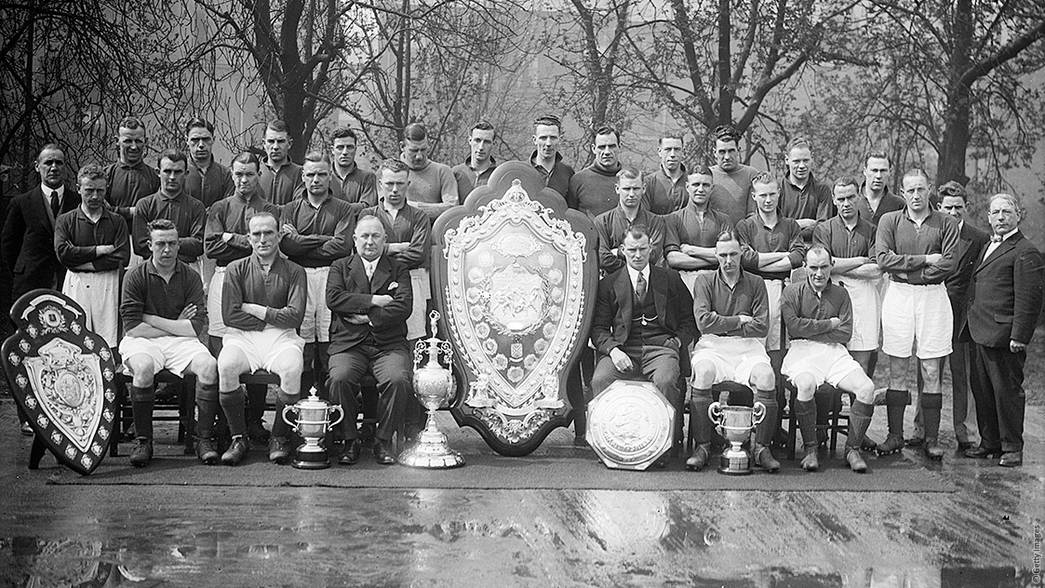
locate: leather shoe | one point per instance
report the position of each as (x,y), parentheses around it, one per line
(580,441)
(206,452)
(764,459)
(351,453)
(892,444)
(699,458)
(141,454)
(236,452)
(811,462)
(980,452)
(856,461)
(1011,459)
(382,455)
(278,452)
(932,449)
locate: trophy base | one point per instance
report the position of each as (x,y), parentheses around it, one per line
(431,452)
(311,460)
(735,464)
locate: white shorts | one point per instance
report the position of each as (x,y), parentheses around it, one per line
(826,362)
(733,357)
(216,328)
(262,348)
(918,318)
(99,295)
(316,324)
(867,312)
(173,354)
(417,322)
(774,288)
(206,270)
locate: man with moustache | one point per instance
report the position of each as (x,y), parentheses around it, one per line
(226,238)
(407,237)
(91,242)
(349,182)
(666,188)
(369,295)
(732,191)
(28,233)
(314,233)
(163,316)
(643,322)
(819,319)
(876,200)
(432,187)
(732,314)
(1004,305)
(593,189)
(206,180)
(280,177)
(802,197)
(262,305)
(695,228)
(173,203)
(916,246)
(612,226)
(130,179)
(476,170)
(546,159)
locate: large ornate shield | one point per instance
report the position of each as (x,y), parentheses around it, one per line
(515,274)
(62,376)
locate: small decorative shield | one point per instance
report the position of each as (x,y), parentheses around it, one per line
(515,271)
(629,425)
(60,373)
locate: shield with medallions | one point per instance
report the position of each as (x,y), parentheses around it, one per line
(62,376)
(515,274)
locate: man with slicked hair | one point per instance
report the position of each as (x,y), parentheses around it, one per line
(546,159)
(593,189)
(612,226)
(280,177)
(666,187)
(732,192)
(349,182)
(432,187)
(130,179)
(476,169)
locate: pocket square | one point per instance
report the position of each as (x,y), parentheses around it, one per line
(392,286)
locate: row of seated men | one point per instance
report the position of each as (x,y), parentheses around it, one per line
(682,239)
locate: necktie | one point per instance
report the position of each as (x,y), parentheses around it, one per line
(995,241)
(996,238)
(640,288)
(55,205)
(369,267)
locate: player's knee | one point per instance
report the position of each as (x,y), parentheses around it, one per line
(703,374)
(864,391)
(805,384)
(205,367)
(762,377)
(142,368)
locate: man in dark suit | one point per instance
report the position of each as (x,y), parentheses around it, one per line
(28,236)
(370,298)
(643,322)
(1004,305)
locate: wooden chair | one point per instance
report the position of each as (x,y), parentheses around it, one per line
(183,407)
(837,422)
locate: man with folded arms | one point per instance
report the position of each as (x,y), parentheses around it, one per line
(164,315)
(819,319)
(262,305)
(695,228)
(732,313)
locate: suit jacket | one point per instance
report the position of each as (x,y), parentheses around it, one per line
(1005,296)
(970,245)
(349,292)
(27,241)
(613,310)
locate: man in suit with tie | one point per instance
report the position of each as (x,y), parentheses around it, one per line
(370,298)
(28,235)
(643,322)
(1005,299)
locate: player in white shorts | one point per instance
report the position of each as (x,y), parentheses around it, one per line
(818,315)
(917,247)
(164,316)
(732,314)
(262,305)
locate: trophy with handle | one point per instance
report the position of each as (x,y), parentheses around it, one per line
(312,423)
(433,386)
(735,424)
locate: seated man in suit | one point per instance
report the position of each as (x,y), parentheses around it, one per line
(164,314)
(262,306)
(819,319)
(370,297)
(732,312)
(643,321)
(1004,304)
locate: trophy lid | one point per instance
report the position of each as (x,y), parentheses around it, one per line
(312,400)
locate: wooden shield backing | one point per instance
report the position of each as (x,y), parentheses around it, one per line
(62,376)
(515,275)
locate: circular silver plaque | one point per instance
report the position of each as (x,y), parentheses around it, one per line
(629,425)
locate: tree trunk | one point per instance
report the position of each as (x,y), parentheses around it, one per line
(956,131)
(725,85)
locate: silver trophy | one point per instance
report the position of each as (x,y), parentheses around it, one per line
(735,424)
(312,423)
(433,386)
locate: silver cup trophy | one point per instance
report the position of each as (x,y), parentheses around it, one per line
(312,423)
(433,386)
(735,424)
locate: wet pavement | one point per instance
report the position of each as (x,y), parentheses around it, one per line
(986,533)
